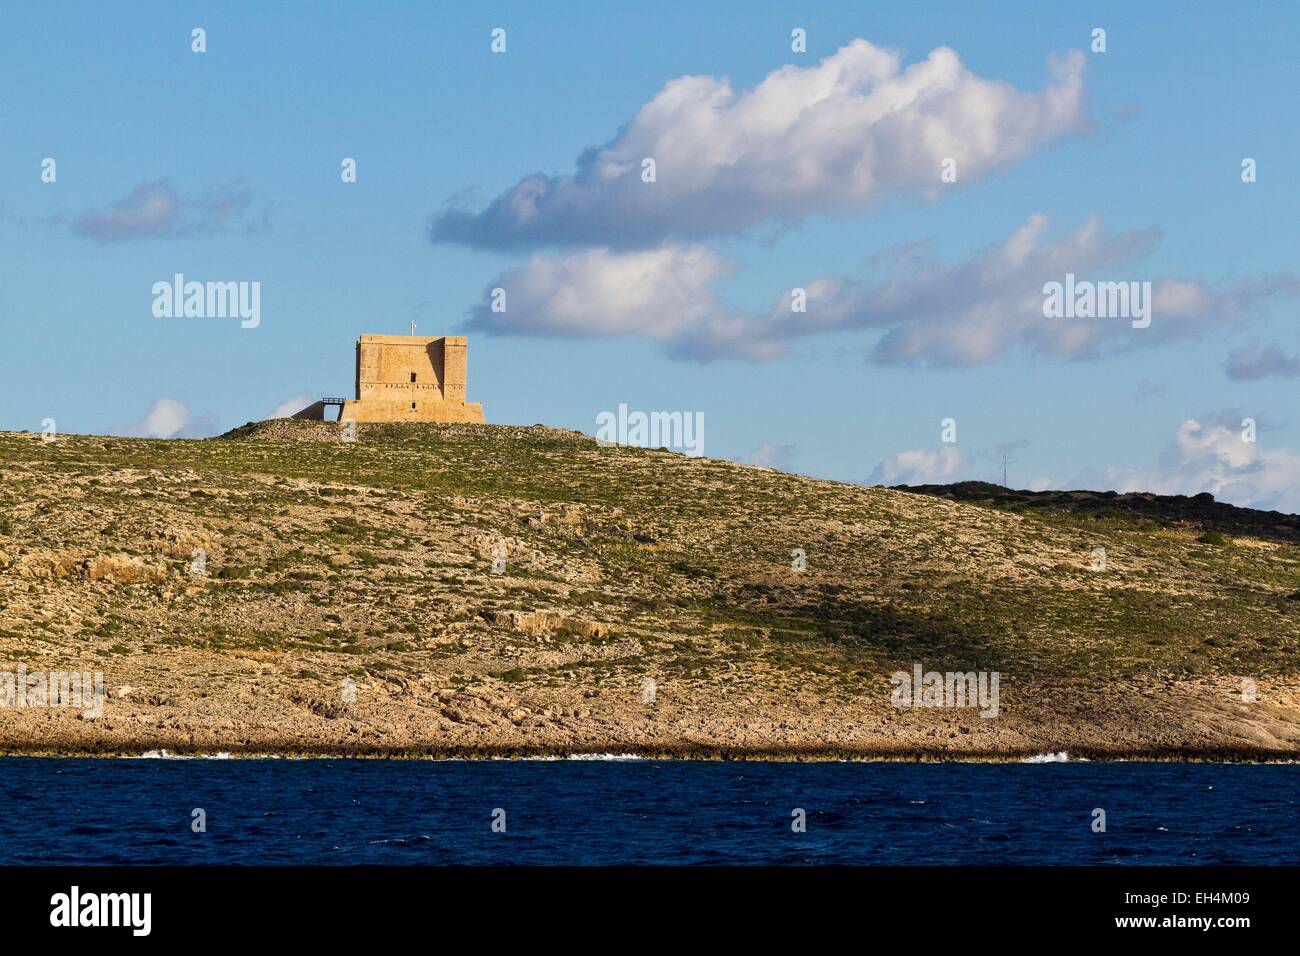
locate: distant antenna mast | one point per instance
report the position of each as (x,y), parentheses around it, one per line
(1006,461)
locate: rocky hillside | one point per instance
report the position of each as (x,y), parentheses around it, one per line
(462,589)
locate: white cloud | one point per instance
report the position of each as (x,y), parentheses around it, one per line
(920,310)
(772,456)
(171,418)
(1210,455)
(165,418)
(921,467)
(832,138)
(292,405)
(977,310)
(664,294)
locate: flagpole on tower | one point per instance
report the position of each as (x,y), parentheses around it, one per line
(413,328)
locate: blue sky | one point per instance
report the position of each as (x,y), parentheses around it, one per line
(242,147)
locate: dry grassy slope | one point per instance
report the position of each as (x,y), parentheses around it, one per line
(373,561)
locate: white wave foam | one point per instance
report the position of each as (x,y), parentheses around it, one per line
(1058,757)
(604,757)
(165,754)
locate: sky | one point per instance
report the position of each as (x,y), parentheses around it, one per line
(921,172)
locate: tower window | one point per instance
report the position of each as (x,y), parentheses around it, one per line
(412,404)
(412,376)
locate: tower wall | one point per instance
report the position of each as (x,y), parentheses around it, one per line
(454,368)
(410,378)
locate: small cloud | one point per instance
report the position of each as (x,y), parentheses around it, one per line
(292,405)
(165,418)
(920,467)
(149,210)
(171,418)
(772,456)
(1210,454)
(1254,362)
(665,294)
(158,210)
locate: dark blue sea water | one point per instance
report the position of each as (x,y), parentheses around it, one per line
(626,812)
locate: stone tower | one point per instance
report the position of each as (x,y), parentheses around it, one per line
(406,378)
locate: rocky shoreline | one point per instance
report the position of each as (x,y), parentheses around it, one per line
(673,753)
(1146,719)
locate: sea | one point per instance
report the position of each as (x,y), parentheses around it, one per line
(158,810)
